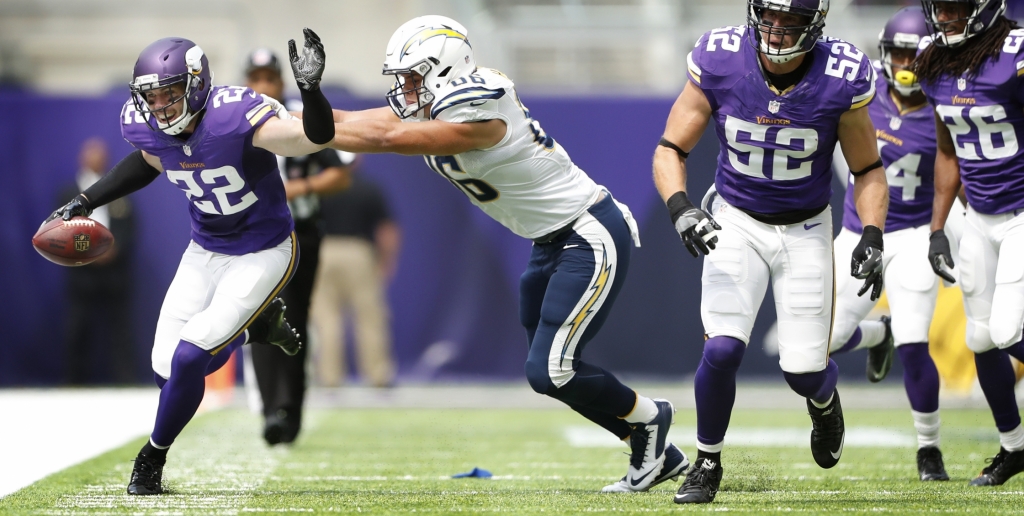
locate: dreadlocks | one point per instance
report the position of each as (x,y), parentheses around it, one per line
(937,61)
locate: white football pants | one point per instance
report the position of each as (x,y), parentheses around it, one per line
(214,297)
(796,258)
(992,279)
(910,285)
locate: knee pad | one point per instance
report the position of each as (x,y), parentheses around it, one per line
(724,353)
(537,375)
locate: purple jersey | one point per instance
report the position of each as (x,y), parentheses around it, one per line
(238,202)
(776,149)
(906,142)
(985,117)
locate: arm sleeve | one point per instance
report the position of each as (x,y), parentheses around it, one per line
(317,116)
(129,175)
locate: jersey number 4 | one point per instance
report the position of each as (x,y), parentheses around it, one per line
(221,205)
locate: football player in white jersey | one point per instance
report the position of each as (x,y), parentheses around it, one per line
(472,129)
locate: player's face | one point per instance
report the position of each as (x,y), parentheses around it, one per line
(167,103)
(901,58)
(777,19)
(267,82)
(955,14)
(410,84)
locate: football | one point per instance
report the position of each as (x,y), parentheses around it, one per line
(74,242)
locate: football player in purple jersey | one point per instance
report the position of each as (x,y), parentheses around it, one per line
(905,126)
(217,143)
(971,73)
(781,97)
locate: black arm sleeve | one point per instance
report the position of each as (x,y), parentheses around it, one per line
(131,174)
(317,116)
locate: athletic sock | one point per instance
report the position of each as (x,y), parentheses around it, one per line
(714,388)
(1012,440)
(997,380)
(825,403)
(927,425)
(154,451)
(872,334)
(644,411)
(920,377)
(713,456)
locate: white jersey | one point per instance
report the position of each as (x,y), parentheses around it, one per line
(527,181)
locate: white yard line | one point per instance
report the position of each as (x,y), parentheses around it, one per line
(787,437)
(45,431)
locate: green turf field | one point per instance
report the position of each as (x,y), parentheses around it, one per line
(399,461)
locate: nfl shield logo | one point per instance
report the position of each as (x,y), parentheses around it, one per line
(81,242)
(773,106)
(188,150)
(895,123)
(961,84)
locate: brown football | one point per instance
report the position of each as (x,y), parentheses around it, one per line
(72,242)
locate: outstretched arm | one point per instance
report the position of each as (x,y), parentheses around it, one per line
(383,114)
(433,137)
(284,137)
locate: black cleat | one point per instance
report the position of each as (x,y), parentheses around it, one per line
(829,432)
(146,476)
(1003,466)
(929,464)
(701,484)
(277,429)
(270,327)
(880,356)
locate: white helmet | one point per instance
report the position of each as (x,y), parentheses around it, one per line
(434,47)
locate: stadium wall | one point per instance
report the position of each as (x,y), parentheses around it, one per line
(455,296)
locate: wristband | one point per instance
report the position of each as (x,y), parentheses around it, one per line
(678,204)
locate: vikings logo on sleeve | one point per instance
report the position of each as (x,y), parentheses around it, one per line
(233,209)
(985,118)
(776,147)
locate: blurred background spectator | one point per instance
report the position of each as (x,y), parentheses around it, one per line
(98,333)
(282,378)
(357,260)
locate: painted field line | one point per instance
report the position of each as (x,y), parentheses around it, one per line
(776,437)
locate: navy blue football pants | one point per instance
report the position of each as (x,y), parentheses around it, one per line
(566,294)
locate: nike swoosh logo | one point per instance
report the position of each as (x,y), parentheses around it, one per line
(837,453)
(636,481)
(571,245)
(478,103)
(809,226)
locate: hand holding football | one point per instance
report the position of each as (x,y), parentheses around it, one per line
(74,242)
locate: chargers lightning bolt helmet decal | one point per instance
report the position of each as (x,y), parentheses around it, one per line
(432,49)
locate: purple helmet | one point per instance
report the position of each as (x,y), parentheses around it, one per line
(983,13)
(813,10)
(905,29)
(163,63)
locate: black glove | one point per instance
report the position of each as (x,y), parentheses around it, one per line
(939,255)
(310,66)
(867,261)
(79,206)
(695,226)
